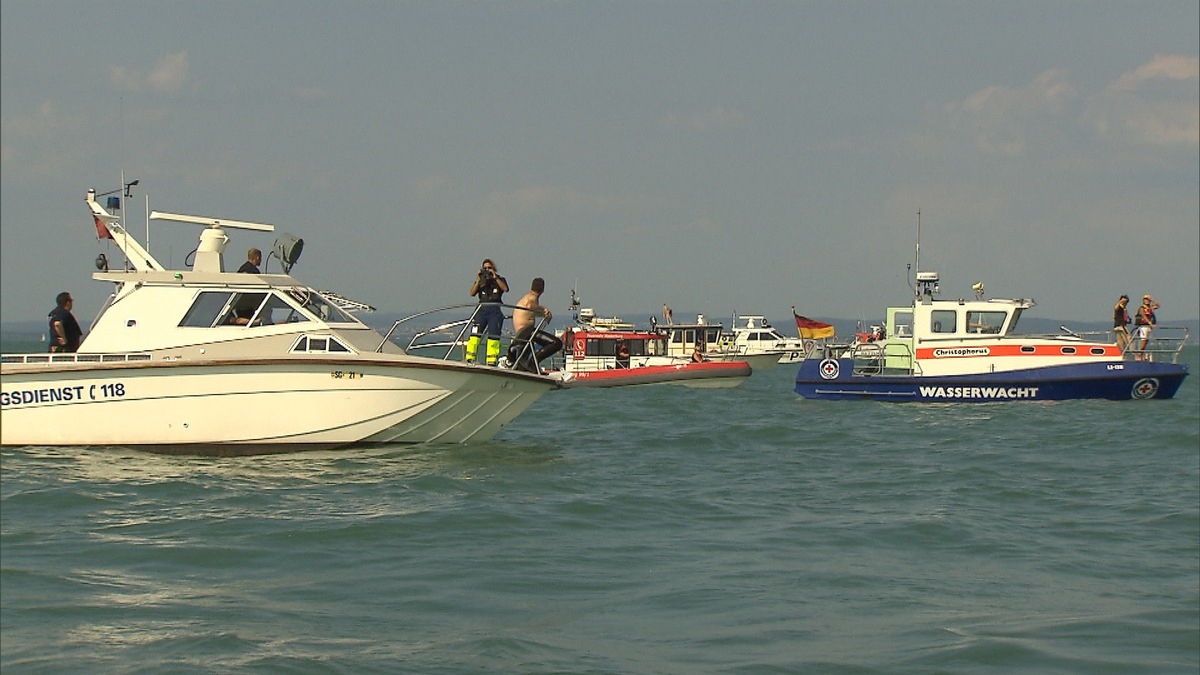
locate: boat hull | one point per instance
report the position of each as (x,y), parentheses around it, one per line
(758,362)
(260,406)
(707,375)
(833,379)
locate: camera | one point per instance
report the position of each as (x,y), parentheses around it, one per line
(486,274)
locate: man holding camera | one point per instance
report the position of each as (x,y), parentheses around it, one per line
(490,288)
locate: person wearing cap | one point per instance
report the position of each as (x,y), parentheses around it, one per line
(1121,320)
(1144,323)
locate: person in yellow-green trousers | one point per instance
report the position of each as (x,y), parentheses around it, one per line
(490,288)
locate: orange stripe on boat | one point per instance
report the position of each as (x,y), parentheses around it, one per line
(991,351)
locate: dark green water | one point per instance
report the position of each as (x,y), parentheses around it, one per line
(655,530)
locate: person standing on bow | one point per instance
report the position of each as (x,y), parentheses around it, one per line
(1144,322)
(531,344)
(1120,321)
(65,332)
(490,288)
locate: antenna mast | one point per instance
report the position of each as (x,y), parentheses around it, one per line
(918,260)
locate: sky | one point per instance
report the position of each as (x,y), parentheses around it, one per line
(721,157)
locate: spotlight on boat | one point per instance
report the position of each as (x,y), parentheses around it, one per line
(978,288)
(288,249)
(102,262)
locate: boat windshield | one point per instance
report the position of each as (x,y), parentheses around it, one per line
(230,308)
(320,306)
(985,322)
(1016,316)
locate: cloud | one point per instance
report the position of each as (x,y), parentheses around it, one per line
(167,76)
(716,118)
(1161,67)
(1002,120)
(1155,105)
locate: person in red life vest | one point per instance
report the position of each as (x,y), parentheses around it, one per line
(1144,323)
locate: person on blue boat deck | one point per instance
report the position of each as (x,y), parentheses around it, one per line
(530,344)
(490,288)
(65,332)
(253,260)
(1144,322)
(1121,321)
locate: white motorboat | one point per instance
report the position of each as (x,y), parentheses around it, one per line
(205,361)
(755,335)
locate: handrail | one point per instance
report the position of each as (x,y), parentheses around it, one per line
(462,326)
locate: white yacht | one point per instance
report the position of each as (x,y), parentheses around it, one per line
(755,335)
(208,361)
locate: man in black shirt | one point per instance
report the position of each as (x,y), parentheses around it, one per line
(65,333)
(253,258)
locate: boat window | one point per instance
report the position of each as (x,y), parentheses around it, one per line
(944,321)
(601,347)
(205,309)
(1068,350)
(320,306)
(277,310)
(985,322)
(1016,316)
(319,344)
(242,308)
(902,324)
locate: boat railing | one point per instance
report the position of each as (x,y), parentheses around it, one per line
(447,338)
(1165,343)
(883,358)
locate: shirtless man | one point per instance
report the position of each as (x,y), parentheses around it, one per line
(524,321)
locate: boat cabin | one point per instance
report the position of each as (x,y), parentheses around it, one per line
(937,323)
(583,344)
